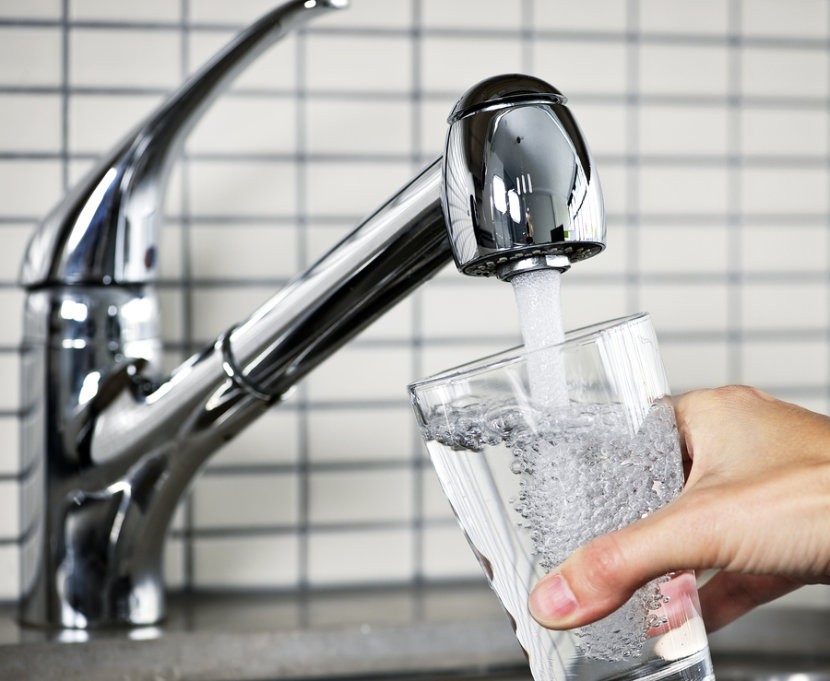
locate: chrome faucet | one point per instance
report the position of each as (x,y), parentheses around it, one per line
(109,444)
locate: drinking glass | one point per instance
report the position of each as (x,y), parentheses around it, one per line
(538,452)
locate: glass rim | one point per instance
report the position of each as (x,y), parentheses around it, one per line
(518,353)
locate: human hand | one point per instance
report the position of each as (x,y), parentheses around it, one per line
(756,506)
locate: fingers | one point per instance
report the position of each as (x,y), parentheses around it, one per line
(598,578)
(728,595)
(754,499)
(602,575)
(590,584)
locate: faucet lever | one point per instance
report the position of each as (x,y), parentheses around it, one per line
(105,230)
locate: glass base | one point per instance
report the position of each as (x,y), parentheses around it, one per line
(696,667)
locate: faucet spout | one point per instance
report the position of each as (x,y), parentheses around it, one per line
(109,445)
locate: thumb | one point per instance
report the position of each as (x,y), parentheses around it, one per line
(603,574)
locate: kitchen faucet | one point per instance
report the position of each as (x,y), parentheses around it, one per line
(110,444)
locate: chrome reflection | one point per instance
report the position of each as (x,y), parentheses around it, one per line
(519,179)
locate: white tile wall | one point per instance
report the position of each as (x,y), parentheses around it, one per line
(704,306)
(273,439)
(216,257)
(246,561)
(688,190)
(328,429)
(444,556)
(603,62)
(209,11)
(684,69)
(270,500)
(248,125)
(31,122)
(107,59)
(43,9)
(96,122)
(762,133)
(148,11)
(607,16)
(246,188)
(762,246)
(767,305)
(710,123)
(704,17)
(767,70)
(29,184)
(339,187)
(799,191)
(360,556)
(30,56)
(274,71)
(686,248)
(806,18)
(695,130)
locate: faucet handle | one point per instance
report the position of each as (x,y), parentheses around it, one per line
(105,229)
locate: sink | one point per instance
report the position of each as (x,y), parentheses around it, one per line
(449,632)
(727,668)
(763,668)
(772,668)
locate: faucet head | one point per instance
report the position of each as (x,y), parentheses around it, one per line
(520,190)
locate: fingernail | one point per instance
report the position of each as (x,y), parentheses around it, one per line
(552,599)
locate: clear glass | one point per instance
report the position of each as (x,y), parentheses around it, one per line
(533,471)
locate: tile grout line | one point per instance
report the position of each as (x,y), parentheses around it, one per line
(419,551)
(826,409)
(734,219)
(632,156)
(187,294)
(304,499)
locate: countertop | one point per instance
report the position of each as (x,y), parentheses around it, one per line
(436,631)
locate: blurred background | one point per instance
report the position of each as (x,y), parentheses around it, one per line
(710,125)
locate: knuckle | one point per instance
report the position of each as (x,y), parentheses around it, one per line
(702,411)
(740,394)
(603,563)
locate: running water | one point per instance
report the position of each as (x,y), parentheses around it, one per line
(538,299)
(572,489)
